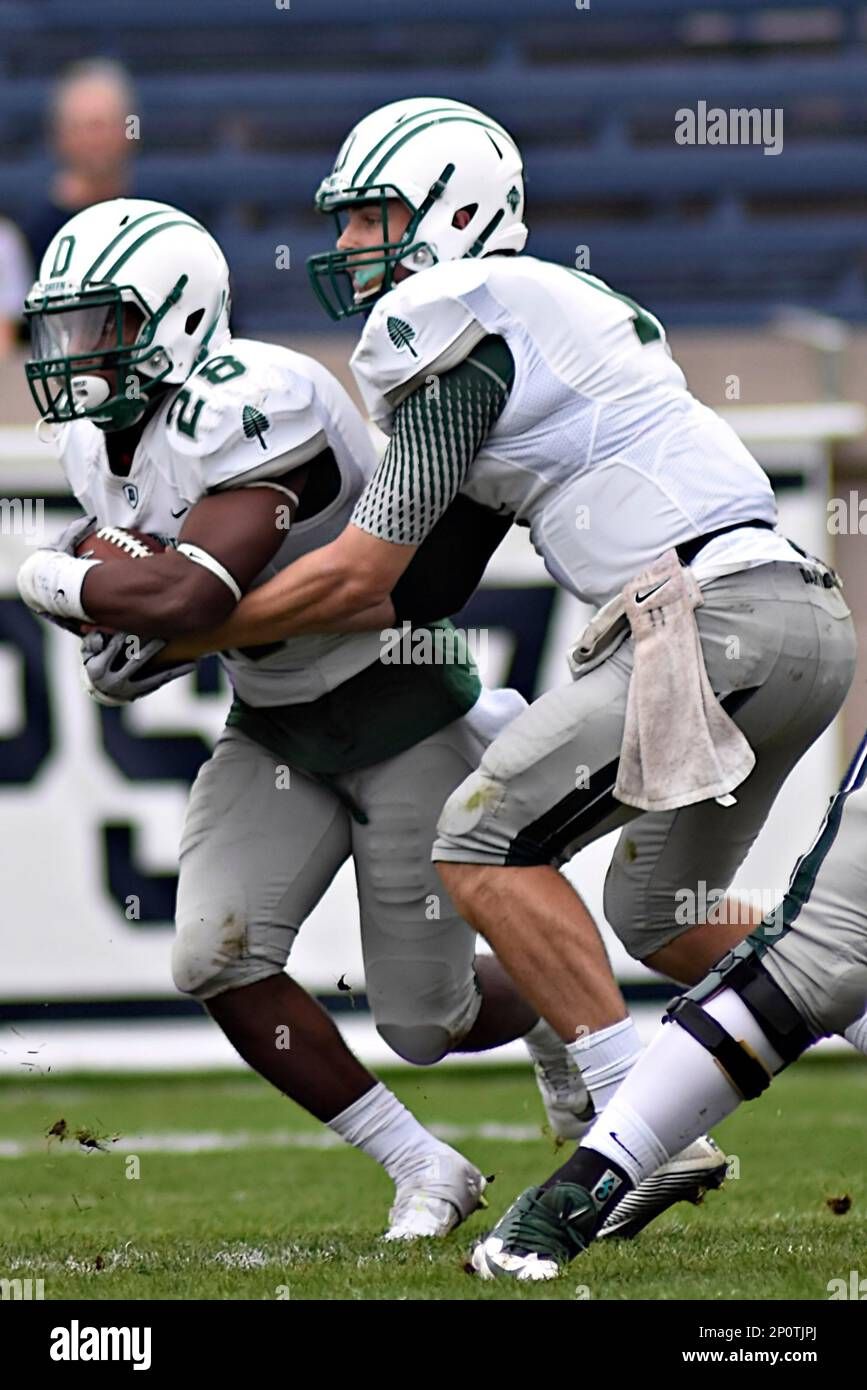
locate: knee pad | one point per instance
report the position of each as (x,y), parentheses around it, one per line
(212,956)
(422,1008)
(787,1031)
(422,1044)
(626,912)
(467,827)
(645,918)
(619,909)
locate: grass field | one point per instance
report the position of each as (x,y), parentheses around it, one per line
(233,1199)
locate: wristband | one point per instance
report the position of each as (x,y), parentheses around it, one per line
(50,582)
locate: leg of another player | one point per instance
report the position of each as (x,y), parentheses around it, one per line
(546,939)
(803,974)
(429,992)
(255,861)
(287,1037)
(689,957)
(676,1090)
(498,837)
(549,944)
(504,1014)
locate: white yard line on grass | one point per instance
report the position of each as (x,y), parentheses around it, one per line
(216,1141)
(237,1255)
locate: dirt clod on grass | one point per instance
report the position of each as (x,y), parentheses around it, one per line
(839,1205)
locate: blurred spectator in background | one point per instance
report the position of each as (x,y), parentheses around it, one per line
(89,133)
(15,278)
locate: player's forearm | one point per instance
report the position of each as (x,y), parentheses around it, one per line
(316,594)
(159,597)
(228,636)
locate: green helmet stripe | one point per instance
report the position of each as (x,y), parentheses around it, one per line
(398,130)
(468,120)
(145,236)
(400,126)
(145,217)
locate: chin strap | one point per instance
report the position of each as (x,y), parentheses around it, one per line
(47,431)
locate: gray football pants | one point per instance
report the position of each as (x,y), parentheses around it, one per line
(779,649)
(259,850)
(818,937)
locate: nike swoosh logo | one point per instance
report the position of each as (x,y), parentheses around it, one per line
(180,513)
(611,1131)
(639,598)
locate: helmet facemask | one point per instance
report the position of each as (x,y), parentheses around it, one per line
(350,282)
(94,356)
(441,159)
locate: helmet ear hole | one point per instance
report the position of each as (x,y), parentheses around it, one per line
(464,216)
(193,321)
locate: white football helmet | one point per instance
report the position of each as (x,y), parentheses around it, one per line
(438,157)
(131,296)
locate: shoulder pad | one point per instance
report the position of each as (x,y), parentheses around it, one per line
(246,416)
(420,327)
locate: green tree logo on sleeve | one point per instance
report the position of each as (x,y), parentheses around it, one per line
(255,424)
(401,334)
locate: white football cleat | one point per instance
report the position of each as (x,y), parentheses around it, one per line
(565,1097)
(442,1193)
(697,1169)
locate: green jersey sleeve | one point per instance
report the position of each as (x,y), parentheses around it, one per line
(437,432)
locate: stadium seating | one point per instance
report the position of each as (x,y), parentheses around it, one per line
(242,109)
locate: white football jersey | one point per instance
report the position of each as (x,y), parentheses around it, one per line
(251,412)
(600,449)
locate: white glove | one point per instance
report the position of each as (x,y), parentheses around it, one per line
(115,667)
(72,534)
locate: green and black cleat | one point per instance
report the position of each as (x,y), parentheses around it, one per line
(539,1234)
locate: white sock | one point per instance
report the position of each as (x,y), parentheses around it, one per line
(604,1058)
(675,1093)
(856,1034)
(380,1126)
